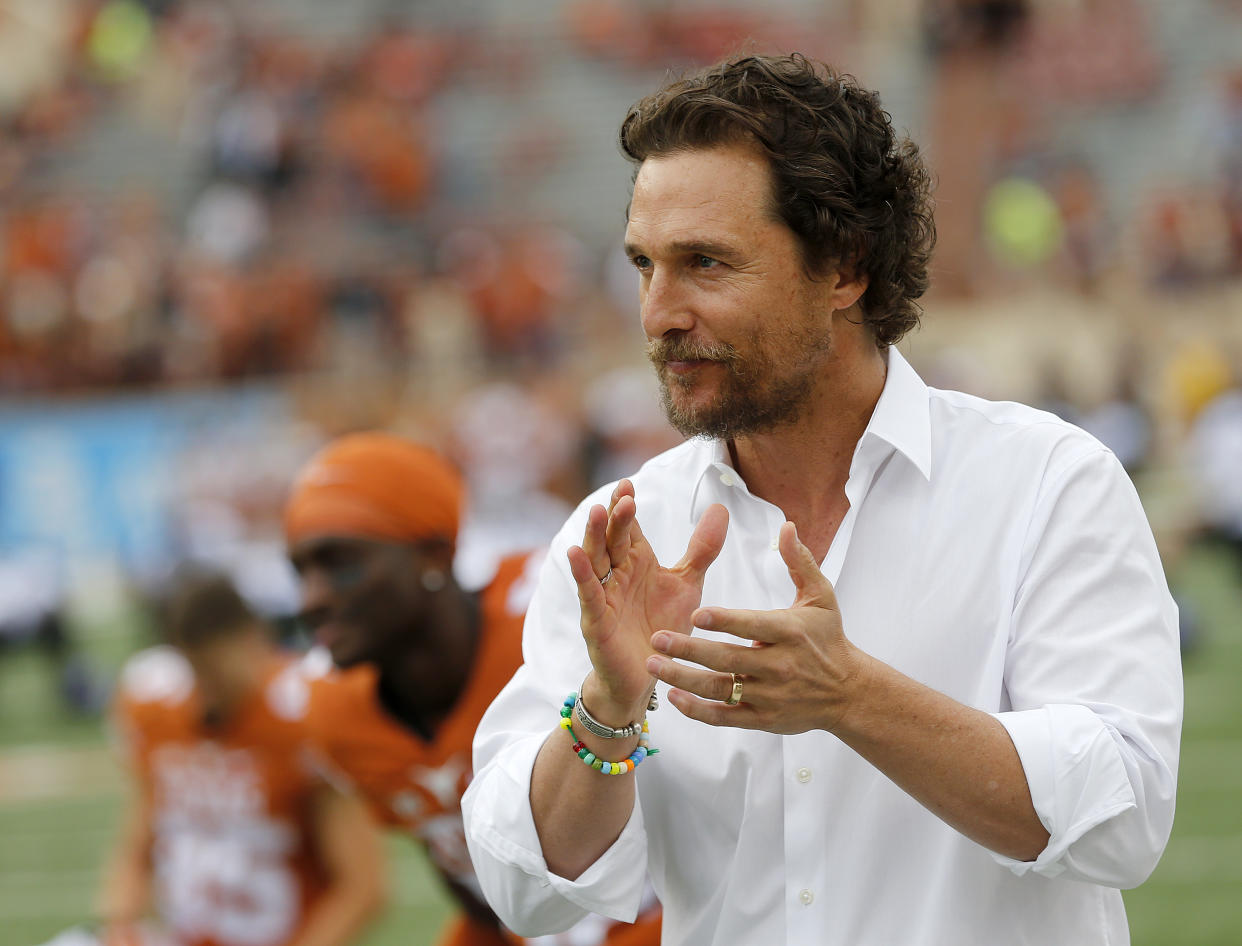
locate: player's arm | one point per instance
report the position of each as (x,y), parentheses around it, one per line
(125,888)
(349,846)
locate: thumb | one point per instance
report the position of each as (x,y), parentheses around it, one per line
(705,542)
(814,590)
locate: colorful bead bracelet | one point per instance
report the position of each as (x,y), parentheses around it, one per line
(589,758)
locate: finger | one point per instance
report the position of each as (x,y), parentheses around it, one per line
(763,627)
(705,542)
(714,655)
(741,716)
(623,488)
(595,540)
(813,588)
(705,683)
(621,521)
(591,596)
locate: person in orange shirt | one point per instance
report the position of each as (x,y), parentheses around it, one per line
(371,526)
(231,830)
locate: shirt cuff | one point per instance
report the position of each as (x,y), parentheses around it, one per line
(503,825)
(1076,777)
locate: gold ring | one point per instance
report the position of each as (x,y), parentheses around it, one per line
(736,696)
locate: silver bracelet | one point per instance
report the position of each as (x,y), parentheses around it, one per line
(597,728)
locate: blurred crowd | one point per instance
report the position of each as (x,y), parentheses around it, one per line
(353,208)
(319,211)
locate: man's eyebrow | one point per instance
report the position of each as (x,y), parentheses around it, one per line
(698,247)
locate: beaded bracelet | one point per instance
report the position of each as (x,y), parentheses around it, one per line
(589,758)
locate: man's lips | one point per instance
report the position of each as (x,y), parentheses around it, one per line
(687,366)
(330,634)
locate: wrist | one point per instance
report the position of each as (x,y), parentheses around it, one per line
(599,752)
(851,712)
(609,710)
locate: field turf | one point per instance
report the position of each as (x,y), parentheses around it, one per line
(59,792)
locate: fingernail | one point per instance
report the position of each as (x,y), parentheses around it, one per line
(704,620)
(654,664)
(660,640)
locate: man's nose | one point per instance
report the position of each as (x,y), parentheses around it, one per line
(664,304)
(317,592)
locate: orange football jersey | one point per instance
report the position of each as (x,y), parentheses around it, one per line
(416,784)
(232,857)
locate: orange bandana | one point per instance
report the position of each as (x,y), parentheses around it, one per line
(375,486)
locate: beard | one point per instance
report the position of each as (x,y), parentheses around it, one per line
(762,389)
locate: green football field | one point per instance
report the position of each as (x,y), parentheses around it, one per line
(59,792)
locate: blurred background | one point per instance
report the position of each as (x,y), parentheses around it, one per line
(230,229)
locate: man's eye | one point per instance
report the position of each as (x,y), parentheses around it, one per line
(346,574)
(640,262)
(344,567)
(705,262)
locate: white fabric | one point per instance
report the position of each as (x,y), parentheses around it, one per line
(992,552)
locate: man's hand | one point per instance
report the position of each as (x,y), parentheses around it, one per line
(799,673)
(639,598)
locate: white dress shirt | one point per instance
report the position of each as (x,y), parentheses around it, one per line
(992,552)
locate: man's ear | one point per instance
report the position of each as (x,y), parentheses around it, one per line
(438,551)
(850,284)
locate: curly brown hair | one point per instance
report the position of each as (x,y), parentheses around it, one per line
(854,194)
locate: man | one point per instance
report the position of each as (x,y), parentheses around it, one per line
(242,841)
(932,693)
(371,527)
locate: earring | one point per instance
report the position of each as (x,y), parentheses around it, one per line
(433,579)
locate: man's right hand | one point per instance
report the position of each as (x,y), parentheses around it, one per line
(638,599)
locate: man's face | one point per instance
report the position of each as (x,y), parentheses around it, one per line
(221,671)
(738,333)
(361,598)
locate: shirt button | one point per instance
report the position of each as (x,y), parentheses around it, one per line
(806,897)
(775,543)
(728,479)
(804,775)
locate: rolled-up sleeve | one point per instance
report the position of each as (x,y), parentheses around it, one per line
(1093,679)
(500,827)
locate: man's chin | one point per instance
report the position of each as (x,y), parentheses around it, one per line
(693,420)
(691,411)
(344,658)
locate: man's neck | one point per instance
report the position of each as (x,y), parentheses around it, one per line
(803,467)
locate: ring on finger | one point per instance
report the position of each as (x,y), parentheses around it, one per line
(736,696)
(604,580)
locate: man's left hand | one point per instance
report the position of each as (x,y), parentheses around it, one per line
(799,673)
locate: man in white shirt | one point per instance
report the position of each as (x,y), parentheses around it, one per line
(921,656)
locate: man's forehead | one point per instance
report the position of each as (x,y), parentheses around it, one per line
(735,158)
(698,191)
(313,545)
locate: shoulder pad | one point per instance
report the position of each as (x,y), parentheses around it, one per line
(156,675)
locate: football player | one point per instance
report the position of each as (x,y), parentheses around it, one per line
(371,525)
(231,832)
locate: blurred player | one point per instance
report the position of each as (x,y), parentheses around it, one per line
(372,525)
(230,827)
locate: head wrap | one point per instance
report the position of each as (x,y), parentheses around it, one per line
(375,486)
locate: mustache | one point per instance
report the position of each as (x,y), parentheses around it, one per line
(663,350)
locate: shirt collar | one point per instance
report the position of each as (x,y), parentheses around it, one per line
(902,416)
(901,419)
